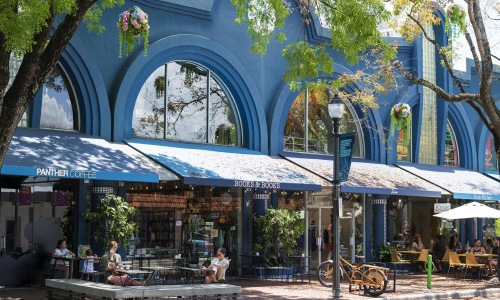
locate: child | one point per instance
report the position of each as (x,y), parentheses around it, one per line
(88,264)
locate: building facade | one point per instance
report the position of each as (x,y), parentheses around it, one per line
(200,135)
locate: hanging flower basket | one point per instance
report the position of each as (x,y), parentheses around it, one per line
(133,26)
(401,119)
(455,20)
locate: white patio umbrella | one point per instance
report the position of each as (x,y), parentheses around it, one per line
(470,210)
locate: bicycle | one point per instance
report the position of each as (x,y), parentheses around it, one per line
(372,278)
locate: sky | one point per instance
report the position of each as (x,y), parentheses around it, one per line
(493,29)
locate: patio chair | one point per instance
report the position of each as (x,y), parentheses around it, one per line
(472,264)
(441,263)
(422,259)
(89,268)
(455,264)
(396,261)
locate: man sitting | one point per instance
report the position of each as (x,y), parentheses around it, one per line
(493,262)
(438,251)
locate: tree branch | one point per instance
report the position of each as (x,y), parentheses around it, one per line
(438,90)
(443,57)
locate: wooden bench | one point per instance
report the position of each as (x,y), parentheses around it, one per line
(80,289)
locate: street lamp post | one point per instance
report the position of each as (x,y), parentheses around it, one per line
(336,109)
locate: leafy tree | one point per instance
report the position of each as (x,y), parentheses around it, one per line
(278,229)
(113,217)
(38,31)
(353,26)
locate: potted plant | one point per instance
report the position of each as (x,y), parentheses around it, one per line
(113,217)
(133,25)
(278,233)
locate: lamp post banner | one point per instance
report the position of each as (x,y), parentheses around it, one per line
(346,147)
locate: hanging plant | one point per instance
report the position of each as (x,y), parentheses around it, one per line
(401,119)
(159,86)
(133,26)
(455,20)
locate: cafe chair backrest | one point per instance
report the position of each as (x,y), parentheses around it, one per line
(394,256)
(423,255)
(446,256)
(470,259)
(454,259)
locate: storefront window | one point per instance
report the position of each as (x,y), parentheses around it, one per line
(451,149)
(490,161)
(317,138)
(192,221)
(192,105)
(403,150)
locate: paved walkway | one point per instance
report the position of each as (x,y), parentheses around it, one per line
(408,287)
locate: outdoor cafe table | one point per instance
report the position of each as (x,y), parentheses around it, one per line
(189,273)
(409,254)
(481,258)
(158,271)
(71,261)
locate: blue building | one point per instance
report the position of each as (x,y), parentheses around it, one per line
(200,134)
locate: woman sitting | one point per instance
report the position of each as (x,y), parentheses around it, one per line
(218,268)
(112,263)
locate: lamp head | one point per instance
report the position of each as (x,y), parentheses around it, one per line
(336,107)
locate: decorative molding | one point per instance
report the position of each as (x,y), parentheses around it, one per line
(102,190)
(380,201)
(196,8)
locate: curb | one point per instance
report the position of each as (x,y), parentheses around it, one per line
(444,295)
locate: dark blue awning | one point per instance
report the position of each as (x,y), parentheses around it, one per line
(463,183)
(65,154)
(495,176)
(214,165)
(368,177)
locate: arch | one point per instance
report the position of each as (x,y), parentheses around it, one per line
(91,93)
(410,96)
(213,56)
(483,138)
(465,138)
(283,100)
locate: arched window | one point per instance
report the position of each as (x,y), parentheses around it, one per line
(317,136)
(199,106)
(490,160)
(451,149)
(58,108)
(403,149)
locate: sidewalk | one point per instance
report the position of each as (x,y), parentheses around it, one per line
(408,287)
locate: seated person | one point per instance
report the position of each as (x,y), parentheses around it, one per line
(219,266)
(438,251)
(112,263)
(61,251)
(493,262)
(455,245)
(88,264)
(417,243)
(477,248)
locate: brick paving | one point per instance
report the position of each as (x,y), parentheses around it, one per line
(408,287)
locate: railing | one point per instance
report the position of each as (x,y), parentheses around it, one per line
(297,144)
